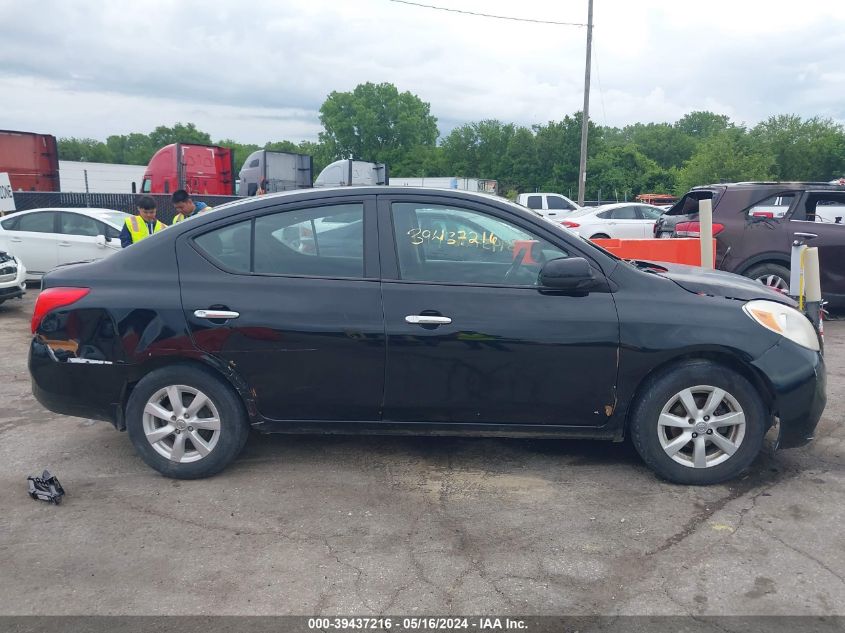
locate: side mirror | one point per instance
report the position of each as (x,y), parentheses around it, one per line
(567,273)
(100,241)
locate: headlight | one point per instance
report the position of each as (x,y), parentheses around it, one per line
(783,320)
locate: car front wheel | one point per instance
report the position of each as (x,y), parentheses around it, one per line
(699,423)
(186,422)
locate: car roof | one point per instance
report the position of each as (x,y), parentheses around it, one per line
(774,184)
(96,213)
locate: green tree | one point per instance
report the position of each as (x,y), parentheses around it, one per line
(702,124)
(665,144)
(85,149)
(623,172)
(729,156)
(376,122)
(521,160)
(179,133)
(479,149)
(131,149)
(559,152)
(804,150)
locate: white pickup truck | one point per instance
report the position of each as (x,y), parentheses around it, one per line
(550,205)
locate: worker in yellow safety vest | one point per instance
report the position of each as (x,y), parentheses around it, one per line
(137,227)
(185,206)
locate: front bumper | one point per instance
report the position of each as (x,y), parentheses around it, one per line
(13,287)
(797,381)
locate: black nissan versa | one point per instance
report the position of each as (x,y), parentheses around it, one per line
(403,310)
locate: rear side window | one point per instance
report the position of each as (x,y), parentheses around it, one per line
(624,213)
(323,242)
(774,207)
(37,222)
(318,242)
(534,202)
(229,247)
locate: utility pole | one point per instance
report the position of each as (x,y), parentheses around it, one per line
(585,114)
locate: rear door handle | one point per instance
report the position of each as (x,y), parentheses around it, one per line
(64,243)
(15,239)
(424,319)
(216,314)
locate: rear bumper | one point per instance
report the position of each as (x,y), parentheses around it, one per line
(797,378)
(85,390)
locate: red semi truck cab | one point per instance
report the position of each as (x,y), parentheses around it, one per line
(31,160)
(200,169)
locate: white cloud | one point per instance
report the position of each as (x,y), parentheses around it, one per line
(260,71)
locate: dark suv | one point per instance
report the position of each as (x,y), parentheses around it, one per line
(755,223)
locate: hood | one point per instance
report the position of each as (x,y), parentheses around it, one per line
(717,283)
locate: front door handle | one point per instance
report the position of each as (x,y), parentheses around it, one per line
(216,314)
(15,239)
(806,236)
(424,319)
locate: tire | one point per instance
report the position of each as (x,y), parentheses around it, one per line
(206,447)
(600,236)
(659,419)
(773,275)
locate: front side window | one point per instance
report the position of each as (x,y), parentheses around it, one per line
(146,186)
(824,208)
(78,224)
(446,244)
(37,222)
(555,202)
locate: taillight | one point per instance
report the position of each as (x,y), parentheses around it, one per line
(53,298)
(693,229)
(570,225)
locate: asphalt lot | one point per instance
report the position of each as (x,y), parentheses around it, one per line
(367,525)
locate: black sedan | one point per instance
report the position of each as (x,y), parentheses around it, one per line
(401,310)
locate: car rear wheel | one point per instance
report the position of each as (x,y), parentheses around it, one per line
(186,422)
(774,276)
(698,423)
(600,236)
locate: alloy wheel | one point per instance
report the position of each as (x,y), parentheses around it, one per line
(701,426)
(181,423)
(775,282)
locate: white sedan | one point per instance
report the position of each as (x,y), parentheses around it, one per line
(625,220)
(45,238)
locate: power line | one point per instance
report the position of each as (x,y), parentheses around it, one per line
(487,15)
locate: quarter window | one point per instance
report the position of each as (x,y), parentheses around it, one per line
(445,244)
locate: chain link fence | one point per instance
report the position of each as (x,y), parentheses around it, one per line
(127,202)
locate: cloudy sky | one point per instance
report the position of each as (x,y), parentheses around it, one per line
(258,71)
